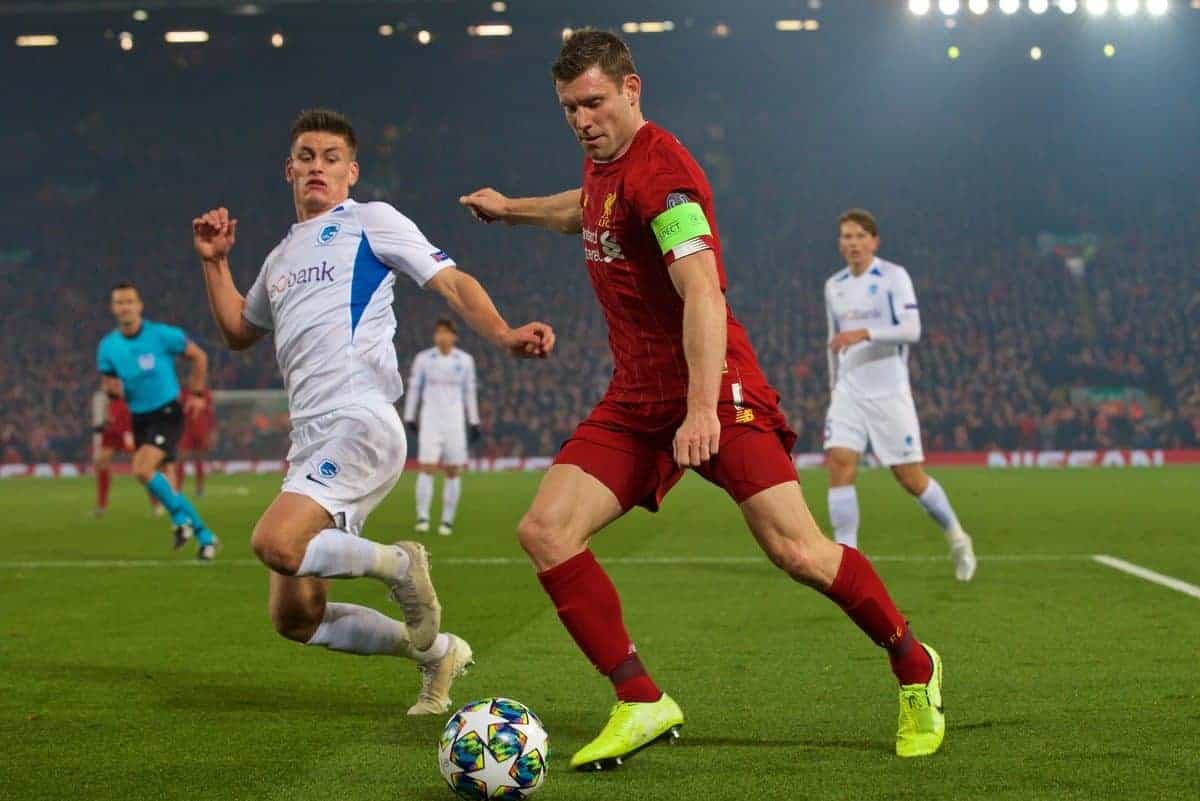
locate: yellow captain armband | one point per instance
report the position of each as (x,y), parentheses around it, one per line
(678,224)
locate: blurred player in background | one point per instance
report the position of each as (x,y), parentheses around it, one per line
(137,362)
(687,391)
(873,318)
(326,291)
(112,433)
(199,428)
(443,383)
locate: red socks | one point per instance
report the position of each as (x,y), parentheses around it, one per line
(199,464)
(103,482)
(590,609)
(860,593)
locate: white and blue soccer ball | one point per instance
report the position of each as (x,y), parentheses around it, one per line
(494,749)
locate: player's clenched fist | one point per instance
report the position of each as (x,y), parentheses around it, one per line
(697,439)
(486,204)
(530,341)
(213,234)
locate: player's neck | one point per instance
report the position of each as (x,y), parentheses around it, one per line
(445,351)
(856,271)
(130,329)
(303,215)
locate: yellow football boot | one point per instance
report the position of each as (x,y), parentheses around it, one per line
(631,727)
(922,724)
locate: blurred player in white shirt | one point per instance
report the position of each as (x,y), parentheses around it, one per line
(873,318)
(443,384)
(326,294)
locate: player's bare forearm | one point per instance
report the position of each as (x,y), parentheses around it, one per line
(704,327)
(112,386)
(704,347)
(227,305)
(560,212)
(472,302)
(198,377)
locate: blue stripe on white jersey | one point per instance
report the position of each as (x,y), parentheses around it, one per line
(327,291)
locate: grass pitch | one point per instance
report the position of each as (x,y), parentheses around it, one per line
(128,672)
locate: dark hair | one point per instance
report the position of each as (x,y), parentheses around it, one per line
(447,323)
(326,121)
(587,48)
(124,285)
(861,216)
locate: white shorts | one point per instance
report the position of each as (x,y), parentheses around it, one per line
(348,461)
(445,445)
(888,423)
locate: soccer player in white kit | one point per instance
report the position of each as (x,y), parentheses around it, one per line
(871,309)
(326,293)
(443,383)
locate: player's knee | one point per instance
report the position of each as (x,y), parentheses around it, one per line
(296,622)
(796,559)
(913,481)
(451,472)
(841,472)
(542,540)
(276,551)
(143,472)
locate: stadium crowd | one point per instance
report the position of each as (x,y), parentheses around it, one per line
(1015,352)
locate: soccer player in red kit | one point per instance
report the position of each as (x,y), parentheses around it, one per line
(199,424)
(112,433)
(686,391)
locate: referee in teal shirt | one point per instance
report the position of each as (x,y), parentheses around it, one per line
(137,360)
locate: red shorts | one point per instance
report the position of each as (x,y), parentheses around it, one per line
(629,450)
(194,439)
(116,439)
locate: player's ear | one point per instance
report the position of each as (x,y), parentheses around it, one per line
(289,174)
(353,173)
(632,88)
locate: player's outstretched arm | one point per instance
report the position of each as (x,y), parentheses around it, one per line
(468,297)
(704,341)
(560,212)
(213,234)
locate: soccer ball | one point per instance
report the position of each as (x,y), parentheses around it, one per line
(494,749)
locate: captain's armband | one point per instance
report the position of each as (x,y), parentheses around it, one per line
(678,224)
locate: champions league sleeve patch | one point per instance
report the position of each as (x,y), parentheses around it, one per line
(677,199)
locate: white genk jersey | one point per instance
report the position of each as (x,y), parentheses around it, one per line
(444,385)
(881,300)
(326,292)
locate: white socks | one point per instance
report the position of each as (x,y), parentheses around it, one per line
(843,514)
(451,492)
(934,501)
(356,629)
(424,495)
(335,554)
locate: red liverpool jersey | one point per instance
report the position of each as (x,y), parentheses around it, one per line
(630,276)
(199,417)
(119,421)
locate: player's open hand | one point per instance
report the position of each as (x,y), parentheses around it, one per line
(697,439)
(530,341)
(486,205)
(845,339)
(194,405)
(213,234)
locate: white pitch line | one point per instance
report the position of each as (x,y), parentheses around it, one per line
(1149,575)
(506,561)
